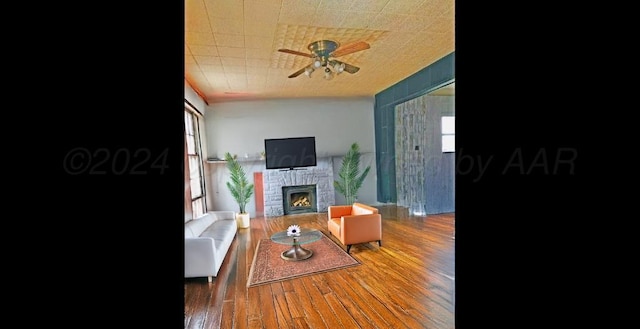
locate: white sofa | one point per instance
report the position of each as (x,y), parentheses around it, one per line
(206,242)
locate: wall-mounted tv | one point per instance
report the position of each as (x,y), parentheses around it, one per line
(289,153)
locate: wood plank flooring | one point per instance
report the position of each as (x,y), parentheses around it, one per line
(409,282)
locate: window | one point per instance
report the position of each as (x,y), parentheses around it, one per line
(448,134)
(196,170)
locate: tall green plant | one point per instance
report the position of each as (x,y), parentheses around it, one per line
(350,178)
(239,186)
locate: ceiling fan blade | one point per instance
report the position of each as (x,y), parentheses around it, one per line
(289,51)
(350,68)
(350,48)
(297,73)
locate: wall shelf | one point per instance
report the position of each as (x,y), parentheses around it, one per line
(240,159)
(258,159)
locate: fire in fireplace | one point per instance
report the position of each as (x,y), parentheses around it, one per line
(299,199)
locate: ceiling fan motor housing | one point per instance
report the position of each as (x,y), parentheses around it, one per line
(322,49)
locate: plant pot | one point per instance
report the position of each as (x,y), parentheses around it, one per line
(243,220)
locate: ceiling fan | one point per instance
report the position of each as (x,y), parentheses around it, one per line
(324,53)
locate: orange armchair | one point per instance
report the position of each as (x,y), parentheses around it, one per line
(357,223)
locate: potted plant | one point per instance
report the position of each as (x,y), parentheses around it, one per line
(240,189)
(350,178)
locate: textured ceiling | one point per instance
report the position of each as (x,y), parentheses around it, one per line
(231,46)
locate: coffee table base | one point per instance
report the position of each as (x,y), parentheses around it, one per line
(296,253)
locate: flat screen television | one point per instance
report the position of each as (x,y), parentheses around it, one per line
(289,153)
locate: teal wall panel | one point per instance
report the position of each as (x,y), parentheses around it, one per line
(430,78)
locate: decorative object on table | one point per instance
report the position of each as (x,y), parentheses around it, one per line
(350,178)
(263,155)
(240,188)
(269,267)
(293,230)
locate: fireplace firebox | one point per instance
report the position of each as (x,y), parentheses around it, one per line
(299,199)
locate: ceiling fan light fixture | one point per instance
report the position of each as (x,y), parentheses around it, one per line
(328,74)
(317,63)
(308,70)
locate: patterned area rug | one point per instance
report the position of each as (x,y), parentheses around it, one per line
(269,267)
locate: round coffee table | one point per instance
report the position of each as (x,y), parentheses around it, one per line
(297,252)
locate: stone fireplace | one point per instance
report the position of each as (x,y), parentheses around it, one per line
(282,187)
(299,199)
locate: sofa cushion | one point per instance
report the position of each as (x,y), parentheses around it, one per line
(195,227)
(221,230)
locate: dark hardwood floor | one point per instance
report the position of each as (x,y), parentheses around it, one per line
(409,282)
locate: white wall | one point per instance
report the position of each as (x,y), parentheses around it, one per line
(241,128)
